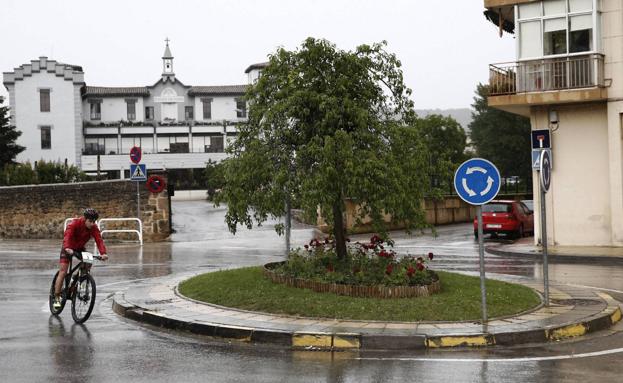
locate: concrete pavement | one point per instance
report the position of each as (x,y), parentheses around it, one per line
(573,312)
(525,247)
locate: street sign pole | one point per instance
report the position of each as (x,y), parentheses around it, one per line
(545,178)
(544,244)
(481,253)
(477,181)
(138,200)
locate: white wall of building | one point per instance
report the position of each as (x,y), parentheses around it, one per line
(578,203)
(223,108)
(61,118)
(114,109)
(152,161)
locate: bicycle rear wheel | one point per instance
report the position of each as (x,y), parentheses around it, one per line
(83,299)
(51,298)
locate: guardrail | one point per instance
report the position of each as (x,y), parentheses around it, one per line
(99,223)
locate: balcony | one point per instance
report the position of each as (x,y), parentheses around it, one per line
(548,81)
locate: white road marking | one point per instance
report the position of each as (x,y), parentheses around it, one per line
(505,360)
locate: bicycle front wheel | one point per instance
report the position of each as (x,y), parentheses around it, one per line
(83,299)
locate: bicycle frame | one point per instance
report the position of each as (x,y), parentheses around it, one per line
(71,271)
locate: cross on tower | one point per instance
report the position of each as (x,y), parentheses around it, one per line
(167,40)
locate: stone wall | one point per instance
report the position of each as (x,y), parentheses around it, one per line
(448,210)
(39,211)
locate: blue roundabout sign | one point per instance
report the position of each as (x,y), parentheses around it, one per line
(477,181)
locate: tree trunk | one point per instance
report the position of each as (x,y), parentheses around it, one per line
(338,230)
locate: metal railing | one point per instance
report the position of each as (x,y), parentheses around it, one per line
(99,223)
(547,74)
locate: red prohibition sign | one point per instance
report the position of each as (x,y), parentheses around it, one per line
(135,154)
(156,184)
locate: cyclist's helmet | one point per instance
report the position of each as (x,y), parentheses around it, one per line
(91,214)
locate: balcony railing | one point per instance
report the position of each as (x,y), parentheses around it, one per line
(547,74)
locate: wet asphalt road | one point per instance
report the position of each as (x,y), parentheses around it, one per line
(34,346)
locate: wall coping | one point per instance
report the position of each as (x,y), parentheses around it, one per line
(62,184)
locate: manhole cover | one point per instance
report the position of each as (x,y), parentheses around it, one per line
(575,302)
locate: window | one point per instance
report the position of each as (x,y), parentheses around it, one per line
(131,105)
(555,36)
(149,113)
(46,137)
(189,113)
(44,100)
(241,108)
(173,144)
(96,110)
(555,27)
(580,33)
(207,108)
(146,143)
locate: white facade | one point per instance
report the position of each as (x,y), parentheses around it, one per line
(63,82)
(570,65)
(165,119)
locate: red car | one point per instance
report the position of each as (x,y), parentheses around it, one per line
(507,217)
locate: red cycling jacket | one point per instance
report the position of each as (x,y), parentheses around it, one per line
(77,235)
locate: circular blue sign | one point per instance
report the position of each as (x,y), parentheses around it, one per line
(545,170)
(477,181)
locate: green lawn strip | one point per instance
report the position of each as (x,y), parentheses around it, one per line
(459,299)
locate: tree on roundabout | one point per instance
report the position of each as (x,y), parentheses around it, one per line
(325,126)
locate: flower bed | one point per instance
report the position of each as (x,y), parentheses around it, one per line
(369,270)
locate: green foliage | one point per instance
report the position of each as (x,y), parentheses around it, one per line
(459,299)
(367,264)
(214,175)
(326,125)
(501,137)
(446,139)
(8,134)
(43,173)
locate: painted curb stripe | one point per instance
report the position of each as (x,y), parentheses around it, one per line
(456,341)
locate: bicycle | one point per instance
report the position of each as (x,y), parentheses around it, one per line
(79,286)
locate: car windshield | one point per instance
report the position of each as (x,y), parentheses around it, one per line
(497,208)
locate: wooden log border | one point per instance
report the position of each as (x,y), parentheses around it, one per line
(359,291)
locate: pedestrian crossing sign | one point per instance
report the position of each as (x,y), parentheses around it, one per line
(138,172)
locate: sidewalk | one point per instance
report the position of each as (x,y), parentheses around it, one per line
(526,247)
(573,312)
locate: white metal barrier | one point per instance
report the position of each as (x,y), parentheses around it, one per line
(139,232)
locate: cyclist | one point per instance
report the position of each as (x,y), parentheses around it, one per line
(78,233)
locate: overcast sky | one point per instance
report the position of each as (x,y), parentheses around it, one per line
(445,46)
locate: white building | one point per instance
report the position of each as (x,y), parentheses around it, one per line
(567,79)
(177,126)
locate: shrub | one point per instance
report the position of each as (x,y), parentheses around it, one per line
(368,264)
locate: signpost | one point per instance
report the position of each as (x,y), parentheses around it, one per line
(138,172)
(477,181)
(545,175)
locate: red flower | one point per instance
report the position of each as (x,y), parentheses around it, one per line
(410,271)
(430,256)
(330,268)
(389,269)
(384,254)
(420,266)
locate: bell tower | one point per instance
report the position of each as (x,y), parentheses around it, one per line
(167,63)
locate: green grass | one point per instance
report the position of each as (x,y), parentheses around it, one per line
(459,299)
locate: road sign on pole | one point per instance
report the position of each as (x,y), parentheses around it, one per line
(135,154)
(477,181)
(541,139)
(138,172)
(545,175)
